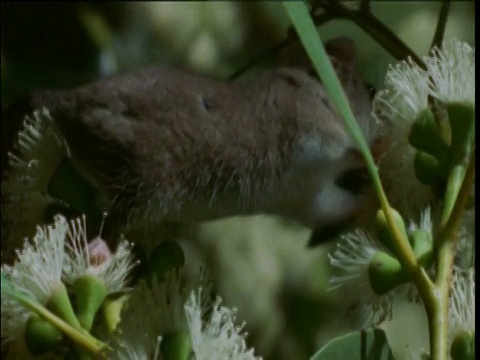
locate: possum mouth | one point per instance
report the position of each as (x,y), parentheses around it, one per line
(330,232)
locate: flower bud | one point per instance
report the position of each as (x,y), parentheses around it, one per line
(383,231)
(424,136)
(463,346)
(385,273)
(427,168)
(90,292)
(41,336)
(166,256)
(176,345)
(111,310)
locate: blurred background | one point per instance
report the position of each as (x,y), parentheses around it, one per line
(260,264)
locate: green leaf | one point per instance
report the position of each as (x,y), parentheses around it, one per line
(370,344)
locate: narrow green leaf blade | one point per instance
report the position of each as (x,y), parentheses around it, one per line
(308,34)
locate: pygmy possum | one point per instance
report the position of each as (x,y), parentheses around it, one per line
(167,146)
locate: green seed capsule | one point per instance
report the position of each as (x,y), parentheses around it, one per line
(90,292)
(383,230)
(463,346)
(41,336)
(176,345)
(427,168)
(166,256)
(61,306)
(385,273)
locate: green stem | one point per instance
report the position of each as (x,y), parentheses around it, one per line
(304,25)
(441,24)
(437,308)
(375,28)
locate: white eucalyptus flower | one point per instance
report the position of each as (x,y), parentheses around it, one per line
(465,254)
(153,311)
(351,257)
(95,258)
(178,304)
(39,149)
(405,95)
(216,338)
(38,273)
(399,104)
(452,72)
(462,302)
(349,261)
(425,222)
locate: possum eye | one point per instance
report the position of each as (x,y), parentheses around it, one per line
(354,180)
(206,103)
(291,79)
(371,91)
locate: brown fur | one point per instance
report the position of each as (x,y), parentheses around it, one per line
(166,145)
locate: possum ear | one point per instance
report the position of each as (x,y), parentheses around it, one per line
(342,49)
(343,56)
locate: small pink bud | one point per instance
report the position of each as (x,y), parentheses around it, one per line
(98,252)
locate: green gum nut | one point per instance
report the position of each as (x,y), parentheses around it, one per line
(90,292)
(41,336)
(422,244)
(383,231)
(463,346)
(176,345)
(462,123)
(112,310)
(61,306)
(166,256)
(425,136)
(385,273)
(427,168)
